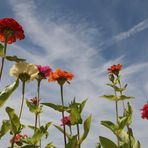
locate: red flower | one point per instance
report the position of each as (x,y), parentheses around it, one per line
(18,138)
(12,29)
(44,71)
(115,69)
(60,76)
(65,121)
(144,111)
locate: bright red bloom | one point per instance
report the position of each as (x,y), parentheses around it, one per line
(44,71)
(144,111)
(18,138)
(60,76)
(65,121)
(12,29)
(114,69)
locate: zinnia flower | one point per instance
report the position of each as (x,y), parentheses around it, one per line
(65,120)
(144,111)
(10,29)
(115,69)
(35,101)
(18,138)
(24,71)
(60,76)
(44,71)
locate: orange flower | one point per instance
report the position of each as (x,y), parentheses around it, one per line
(11,29)
(60,76)
(114,69)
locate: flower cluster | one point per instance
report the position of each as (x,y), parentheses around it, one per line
(10,29)
(24,71)
(60,76)
(65,121)
(144,111)
(18,138)
(115,69)
(44,71)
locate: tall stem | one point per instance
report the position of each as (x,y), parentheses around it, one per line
(70,130)
(78,132)
(3,58)
(23,92)
(38,116)
(117,117)
(36,120)
(12,144)
(62,100)
(128,128)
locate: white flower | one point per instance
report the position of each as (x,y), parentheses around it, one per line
(24,71)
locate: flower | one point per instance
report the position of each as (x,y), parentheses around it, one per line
(115,69)
(24,71)
(11,29)
(144,111)
(44,71)
(18,138)
(60,76)
(65,120)
(35,101)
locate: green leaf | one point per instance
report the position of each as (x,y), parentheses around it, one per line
(1,50)
(86,128)
(136,144)
(110,125)
(50,145)
(62,131)
(14,120)
(123,97)
(4,128)
(122,122)
(110,97)
(72,143)
(8,90)
(15,59)
(128,113)
(107,143)
(82,105)
(59,108)
(40,133)
(33,108)
(75,117)
(30,146)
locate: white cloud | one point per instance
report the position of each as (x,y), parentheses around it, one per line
(66,48)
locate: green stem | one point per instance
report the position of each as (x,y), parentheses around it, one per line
(78,132)
(38,95)
(23,92)
(36,120)
(128,128)
(3,58)
(117,117)
(12,144)
(62,100)
(70,130)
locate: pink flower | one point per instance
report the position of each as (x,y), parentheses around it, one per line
(18,138)
(65,121)
(144,111)
(44,71)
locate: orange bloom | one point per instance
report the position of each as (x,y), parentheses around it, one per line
(114,69)
(60,75)
(12,29)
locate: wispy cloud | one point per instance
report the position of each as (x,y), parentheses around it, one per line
(64,47)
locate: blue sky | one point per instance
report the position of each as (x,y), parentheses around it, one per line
(85,37)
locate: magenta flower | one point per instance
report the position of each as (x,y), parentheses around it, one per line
(144,111)
(65,121)
(44,71)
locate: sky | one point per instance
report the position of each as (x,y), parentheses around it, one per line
(84,37)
